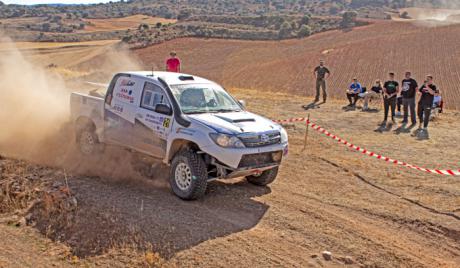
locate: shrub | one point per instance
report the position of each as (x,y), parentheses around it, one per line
(404,15)
(348,19)
(304,31)
(285,30)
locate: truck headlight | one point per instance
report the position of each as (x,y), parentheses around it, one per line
(284,135)
(226,141)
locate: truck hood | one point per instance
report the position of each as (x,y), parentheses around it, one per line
(235,122)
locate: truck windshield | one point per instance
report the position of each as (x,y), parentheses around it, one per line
(204,98)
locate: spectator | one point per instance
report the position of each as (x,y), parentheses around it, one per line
(428,91)
(437,102)
(390,91)
(399,103)
(408,92)
(321,73)
(353,92)
(374,93)
(173,63)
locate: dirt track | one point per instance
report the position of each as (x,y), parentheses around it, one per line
(327,198)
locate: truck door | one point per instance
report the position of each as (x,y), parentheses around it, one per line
(123,98)
(151,128)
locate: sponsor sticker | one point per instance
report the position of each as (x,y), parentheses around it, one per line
(127,83)
(184,131)
(125,96)
(166,122)
(117,108)
(157,120)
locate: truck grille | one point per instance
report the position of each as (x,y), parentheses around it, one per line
(258,140)
(259,160)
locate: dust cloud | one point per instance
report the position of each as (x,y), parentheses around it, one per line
(35,112)
(435,12)
(33,103)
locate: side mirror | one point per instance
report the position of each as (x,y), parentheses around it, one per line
(162,108)
(242,103)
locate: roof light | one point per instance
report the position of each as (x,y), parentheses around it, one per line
(186,78)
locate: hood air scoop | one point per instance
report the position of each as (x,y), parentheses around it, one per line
(236,120)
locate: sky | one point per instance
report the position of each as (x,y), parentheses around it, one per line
(35,2)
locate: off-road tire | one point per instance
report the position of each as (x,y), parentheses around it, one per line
(267,177)
(199,175)
(87,137)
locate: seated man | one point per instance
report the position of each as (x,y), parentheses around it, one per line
(375,92)
(437,106)
(353,92)
(437,100)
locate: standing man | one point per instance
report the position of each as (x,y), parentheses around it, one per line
(173,63)
(390,91)
(428,91)
(409,90)
(321,73)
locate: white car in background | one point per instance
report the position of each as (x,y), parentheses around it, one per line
(191,123)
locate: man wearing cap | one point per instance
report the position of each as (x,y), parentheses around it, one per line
(321,73)
(408,92)
(390,91)
(173,63)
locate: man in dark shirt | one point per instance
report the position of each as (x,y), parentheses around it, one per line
(321,73)
(409,90)
(428,91)
(375,92)
(390,91)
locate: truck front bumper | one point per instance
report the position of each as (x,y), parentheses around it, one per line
(249,158)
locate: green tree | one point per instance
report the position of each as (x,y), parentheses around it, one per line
(46,27)
(304,31)
(305,19)
(143,27)
(285,30)
(348,19)
(184,14)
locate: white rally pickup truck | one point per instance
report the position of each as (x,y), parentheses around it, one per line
(190,123)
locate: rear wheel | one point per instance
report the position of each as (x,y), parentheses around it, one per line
(188,175)
(264,178)
(88,142)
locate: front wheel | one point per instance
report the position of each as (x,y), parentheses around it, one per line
(264,178)
(188,175)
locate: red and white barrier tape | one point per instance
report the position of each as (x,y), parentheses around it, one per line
(321,130)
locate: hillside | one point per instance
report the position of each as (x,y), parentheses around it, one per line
(287,66)
(236,19)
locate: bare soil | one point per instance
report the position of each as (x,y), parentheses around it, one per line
(325,198)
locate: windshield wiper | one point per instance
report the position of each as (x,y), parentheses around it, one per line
(225,110)
(195,112)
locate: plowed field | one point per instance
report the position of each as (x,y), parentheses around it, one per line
(368,53)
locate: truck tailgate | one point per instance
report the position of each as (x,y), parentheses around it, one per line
(87,106)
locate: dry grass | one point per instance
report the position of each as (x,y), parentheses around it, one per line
(131,22)
(55,45)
